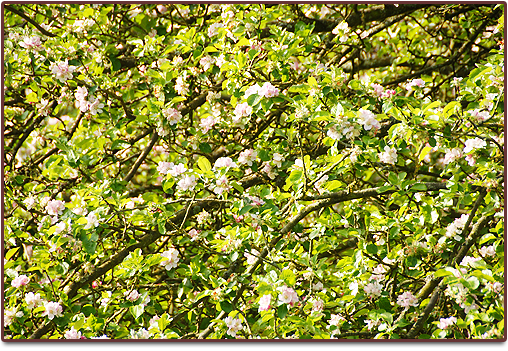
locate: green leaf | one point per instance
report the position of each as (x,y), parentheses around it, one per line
(226,306)
(137,310)
(288,276)
(282,311)
(442,273)
(204,164)
(205,147)
(11,253)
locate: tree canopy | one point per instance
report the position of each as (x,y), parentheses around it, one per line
(253,171)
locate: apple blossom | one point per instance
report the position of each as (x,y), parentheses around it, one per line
(242,110)
(247,157)
(407,299)
(264,302)
(368,119)
(445,323)
(178,169)
(55,207)
(388,156)
(187,183)
(472,144)
(164,167)
(252,257)
(32,43)
(207,123)
(172,259)
(194,234)
(33,300)
(92,221)
(132,295)
(72,334)
(268,90)
(234,325)
(213,30)
(52,309)
(488,251)
(172,115)
(373,289)
(10,314)
(223,162)
(62,70)
(420,83)
(254,89)
(20,281)
(287,295)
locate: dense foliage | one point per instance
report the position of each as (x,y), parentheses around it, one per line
(253,171)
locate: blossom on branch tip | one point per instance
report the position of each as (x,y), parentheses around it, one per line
(172,258)
(19,281)
(62,70)
(407,299)
(223,162)
(264,302)
(388,156)
(53,309)
(172,115)
(247,157)
(288,296)
(268,90)
(368,119)
(234,325)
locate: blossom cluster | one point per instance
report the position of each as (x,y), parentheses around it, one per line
(172,258)
(92,104)
(288,296)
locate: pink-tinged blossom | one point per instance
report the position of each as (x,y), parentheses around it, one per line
(480,116)
(267,168)
(207,123)
(475,143)
(91,221)
(456,226)
(288,296)
(62,70)
(19,281)
(132,295)
(164,167)
(488,251)
(371,323)
(268,90)
(222,185)
(336,319)
(471,161)
(181,87)
(234,325)
(368,120)
(53,309)
(10,314)
(213,30)
(407,299)
(223,162)
(172,258)
(29,202)
(495,287)
(388,93)
(32,43)
(162,9)
(247,157)
(172,115)
(256,201)
(242,110)
(317,305)
(33,300)
(373,289)
(81,93)
(452,155)
(55,207)
(178,169)
(187,183)
(380,269)
(207,62)
(378,89)
(72,334)
(334,133)
(469,260)
(252,90)
(278,159)
(252,256)
(194,234)
(420,83)
(95,106)
(445,323)
(264,302)
(388,156)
